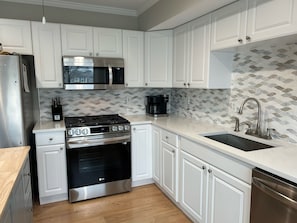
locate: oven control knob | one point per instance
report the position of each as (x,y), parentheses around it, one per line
(77,131)
(127,127)
(114,128)
(121,128)
(70,132)
(85,131)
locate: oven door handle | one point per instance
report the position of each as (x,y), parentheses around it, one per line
(97,142)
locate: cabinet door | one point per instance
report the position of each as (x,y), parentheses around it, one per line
(156,147)
(228,26)
(169,169)
(15,36)
(193,186)
(158,58)
(26,179)
(17,203)
(199,52)
(133,54)
(270,19)
(51,168)
(108,42)
(141,153)
(6,214)
(229,198)
(77,40)
(47,55)
(180,56)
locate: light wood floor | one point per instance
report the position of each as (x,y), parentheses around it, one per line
(146,204)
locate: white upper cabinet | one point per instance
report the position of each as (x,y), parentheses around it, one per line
(91,41)
(271,19)
(199,52)
(229,26)
(158,58)
(194,65)
(133,54)
(77,40)
(47,55)
(253,20)
(180,56)
(15,36)
(108,42)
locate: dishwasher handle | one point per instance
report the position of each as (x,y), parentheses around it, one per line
(263,186)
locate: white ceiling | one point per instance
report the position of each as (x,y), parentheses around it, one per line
(121,7)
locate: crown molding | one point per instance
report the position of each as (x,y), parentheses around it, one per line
(79,6)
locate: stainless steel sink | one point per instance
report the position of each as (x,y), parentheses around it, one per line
(238,142)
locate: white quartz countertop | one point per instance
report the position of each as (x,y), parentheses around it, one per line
(280,160)
(49,126)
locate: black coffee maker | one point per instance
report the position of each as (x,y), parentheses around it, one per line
(156,105)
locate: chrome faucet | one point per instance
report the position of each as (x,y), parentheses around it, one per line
(257,131)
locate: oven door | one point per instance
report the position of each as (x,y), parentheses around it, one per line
(98,164)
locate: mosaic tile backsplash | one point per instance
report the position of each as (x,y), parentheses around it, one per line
(97,102)
(268,74)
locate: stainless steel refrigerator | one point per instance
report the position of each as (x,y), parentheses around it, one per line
(18,100)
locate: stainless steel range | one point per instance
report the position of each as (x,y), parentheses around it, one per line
(98,156)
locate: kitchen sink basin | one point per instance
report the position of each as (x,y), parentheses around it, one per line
(238,142)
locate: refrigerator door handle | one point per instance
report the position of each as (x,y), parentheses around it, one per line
(25,79)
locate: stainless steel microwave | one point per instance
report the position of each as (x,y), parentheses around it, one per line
(88,73)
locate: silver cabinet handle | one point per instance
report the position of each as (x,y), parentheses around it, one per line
(61,148)
(146,84)
(209,170)
(188,84)
(248,38)
(185,84)
(203,167)
(50,139)
(240,40)
(90,54)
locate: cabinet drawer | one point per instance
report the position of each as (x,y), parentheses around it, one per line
(170,138)
(50,138)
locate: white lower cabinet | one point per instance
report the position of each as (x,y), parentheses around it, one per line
(156,150)
(141,154)
(229,198)
(51,167)
(213,189)
(165,161)
(169,165)
(193,186)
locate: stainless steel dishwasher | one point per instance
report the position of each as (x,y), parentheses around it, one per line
(274,200)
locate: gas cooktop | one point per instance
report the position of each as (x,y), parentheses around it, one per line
(82,121)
